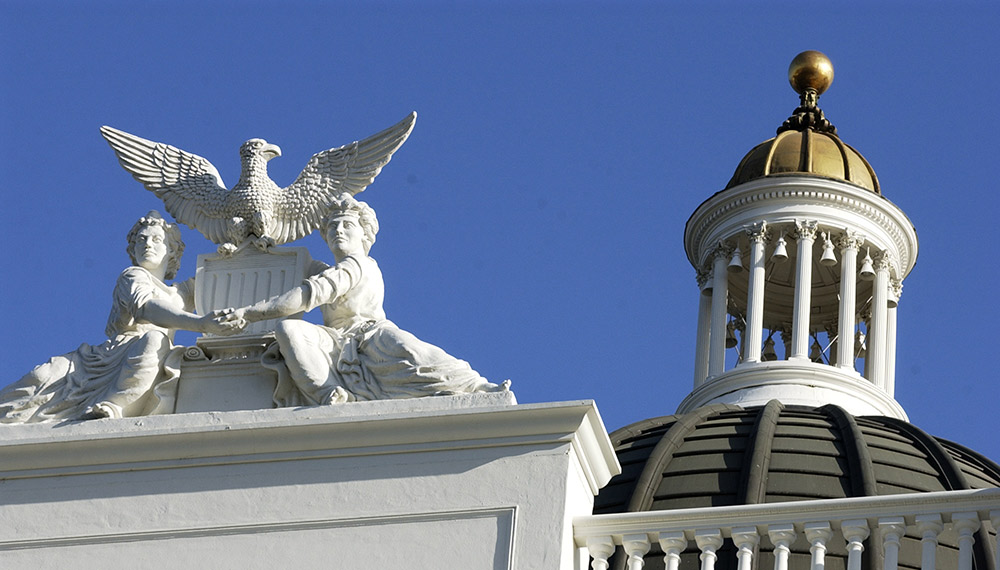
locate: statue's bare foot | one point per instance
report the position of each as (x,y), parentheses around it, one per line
(227,249)
(503,386)
(98,411)
(339,396)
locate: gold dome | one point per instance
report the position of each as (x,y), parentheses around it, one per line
(806,152)
(807,144)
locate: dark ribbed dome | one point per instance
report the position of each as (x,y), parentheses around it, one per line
(723,455)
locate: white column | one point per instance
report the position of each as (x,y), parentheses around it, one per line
(880,320)
(891,529)
(720,297)
(818,534)
(746,539)
(850,244)
(895,291)
(855,532)
(782,536)
(708,542)
(672,544)
(806,235)
(966,524)
(601,548)
(704,329)
(755,293)
(929,526)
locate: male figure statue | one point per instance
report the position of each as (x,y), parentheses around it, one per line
(358,354)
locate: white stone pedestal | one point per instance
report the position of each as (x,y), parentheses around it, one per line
(470,482)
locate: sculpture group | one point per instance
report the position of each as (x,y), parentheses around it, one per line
(358,354)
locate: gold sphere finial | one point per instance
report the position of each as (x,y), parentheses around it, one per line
(810,70)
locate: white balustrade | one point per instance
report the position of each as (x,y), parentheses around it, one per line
(966,524)
(825,524)
(708,540)
(929,527)
(601,548)
(892,530)
(746,540)
(636,546)
(818,534)
(782,536)
(672,544)
(855,532)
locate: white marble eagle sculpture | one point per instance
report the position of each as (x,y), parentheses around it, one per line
(255,208)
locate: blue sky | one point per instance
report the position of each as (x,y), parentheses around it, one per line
(533,222)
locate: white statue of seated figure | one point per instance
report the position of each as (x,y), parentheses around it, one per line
(358,354)
(134,372)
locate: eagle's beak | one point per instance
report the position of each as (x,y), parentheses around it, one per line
(270,151)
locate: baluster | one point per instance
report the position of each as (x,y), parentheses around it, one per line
(818,534)
(966,524)
(891,529)
(929,526)
(995,521)
(708,540)
(746,539)
(672,543)
(855,531)
(601,548)
(636,546)
(782,536)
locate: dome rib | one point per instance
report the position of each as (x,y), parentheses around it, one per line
(951,473)
(656,464)
(753,479)
(859,461)
(859,458)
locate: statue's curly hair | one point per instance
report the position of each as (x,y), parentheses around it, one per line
(175,246)
(346,204)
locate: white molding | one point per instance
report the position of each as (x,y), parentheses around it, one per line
(907,506)
(794,383)
(784,199)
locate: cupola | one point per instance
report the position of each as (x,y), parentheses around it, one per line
(800,263)
(806,143)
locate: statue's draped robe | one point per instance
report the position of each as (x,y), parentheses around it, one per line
(66,385)
(359,350)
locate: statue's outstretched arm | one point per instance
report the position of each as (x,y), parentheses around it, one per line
(168,316)
(289,303)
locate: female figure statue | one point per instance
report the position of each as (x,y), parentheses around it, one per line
(134,372)
(358,354)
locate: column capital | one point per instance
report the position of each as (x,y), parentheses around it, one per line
(883,261)
(895,289)
(703,277)
(850,240)
(757,232)
(806,229)
(723,249)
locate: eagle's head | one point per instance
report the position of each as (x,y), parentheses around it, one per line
(255,148)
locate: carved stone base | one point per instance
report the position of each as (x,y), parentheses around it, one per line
(224,374)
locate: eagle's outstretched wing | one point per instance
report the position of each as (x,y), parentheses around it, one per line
(330,173)
(190,187)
